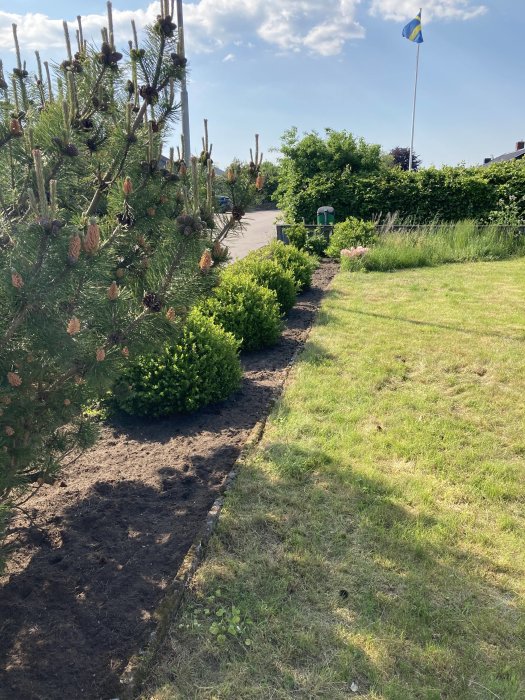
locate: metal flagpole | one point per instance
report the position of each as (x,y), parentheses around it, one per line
(414,109)
(186,155)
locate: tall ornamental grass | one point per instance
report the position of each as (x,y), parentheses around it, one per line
(437,244)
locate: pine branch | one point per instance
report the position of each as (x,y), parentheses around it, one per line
(110,176)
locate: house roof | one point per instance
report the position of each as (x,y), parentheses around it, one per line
(514,155)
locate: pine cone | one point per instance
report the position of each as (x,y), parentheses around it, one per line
(170,314)
(16,280)
(73,326)
(92,238)
(165,26)
(70,150)
(15,127)
(152,302)
(219,253)
(125,353)
(149,94)
(237,213)
(178,61)
(9,431)
(113,291)
(206,261)
(75,244)
(14,379)
(101,354)
(127,186)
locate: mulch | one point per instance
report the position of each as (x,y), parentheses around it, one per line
(87,574)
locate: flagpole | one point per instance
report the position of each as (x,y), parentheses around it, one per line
(414,109)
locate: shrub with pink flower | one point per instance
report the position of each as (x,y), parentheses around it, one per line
(354,252)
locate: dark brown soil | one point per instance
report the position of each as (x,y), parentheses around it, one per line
(106,540)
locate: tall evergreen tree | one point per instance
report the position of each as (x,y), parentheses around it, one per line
(102,242)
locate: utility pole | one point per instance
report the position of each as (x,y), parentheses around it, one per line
(186,152)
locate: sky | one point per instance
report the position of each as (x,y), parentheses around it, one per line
(262,66)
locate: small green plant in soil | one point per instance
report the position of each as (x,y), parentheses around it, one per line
(220,619)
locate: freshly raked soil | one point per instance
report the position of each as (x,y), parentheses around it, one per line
(86,576)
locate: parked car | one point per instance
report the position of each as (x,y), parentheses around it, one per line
(224,203)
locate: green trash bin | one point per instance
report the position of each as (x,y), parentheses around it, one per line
(325,216)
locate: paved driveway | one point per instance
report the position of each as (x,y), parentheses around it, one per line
(259,230)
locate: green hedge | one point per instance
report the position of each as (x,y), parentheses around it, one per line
(448,194)
(200,368)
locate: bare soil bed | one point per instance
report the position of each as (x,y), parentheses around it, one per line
(87,575)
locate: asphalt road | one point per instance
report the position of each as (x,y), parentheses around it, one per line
(259,230)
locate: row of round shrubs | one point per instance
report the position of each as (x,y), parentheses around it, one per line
(243,312)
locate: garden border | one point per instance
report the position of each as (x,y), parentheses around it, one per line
(139,666)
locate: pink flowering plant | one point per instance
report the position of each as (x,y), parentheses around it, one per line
(352,258)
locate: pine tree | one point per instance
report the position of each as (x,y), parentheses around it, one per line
(101,239)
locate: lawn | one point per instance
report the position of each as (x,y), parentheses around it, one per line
(373,545)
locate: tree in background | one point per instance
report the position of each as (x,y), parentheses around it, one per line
(401,158)
(315,170)
(103,245)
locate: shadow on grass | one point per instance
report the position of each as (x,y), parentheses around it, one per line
(345,585)
(442,326)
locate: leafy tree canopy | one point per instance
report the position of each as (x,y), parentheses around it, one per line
(314,158)
(401,158)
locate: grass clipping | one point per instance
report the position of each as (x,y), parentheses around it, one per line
(373,545)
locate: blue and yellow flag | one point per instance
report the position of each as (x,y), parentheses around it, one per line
(412,31)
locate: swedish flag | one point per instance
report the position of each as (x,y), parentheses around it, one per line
(412,31)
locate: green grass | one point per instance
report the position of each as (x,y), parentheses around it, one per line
(437,244)
(377,535)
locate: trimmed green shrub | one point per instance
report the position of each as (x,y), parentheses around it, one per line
(201,367)
(300,263)
(349,233)
(312,241)
(270,274)
(246,309)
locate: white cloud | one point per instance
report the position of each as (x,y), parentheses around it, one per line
(399,10)
(211,25)
(228,58)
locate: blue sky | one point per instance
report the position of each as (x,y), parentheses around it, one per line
(263,66)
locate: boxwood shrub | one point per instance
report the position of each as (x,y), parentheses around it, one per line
(300,263)
(268,273)
(201,367)
(246,309)
(349,233)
